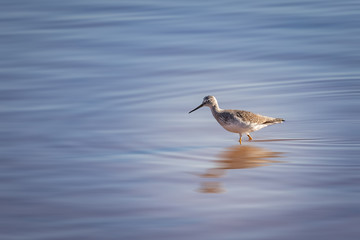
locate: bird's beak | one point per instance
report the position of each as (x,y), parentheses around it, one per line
(201,105)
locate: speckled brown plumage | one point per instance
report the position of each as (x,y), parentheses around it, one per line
(247,116)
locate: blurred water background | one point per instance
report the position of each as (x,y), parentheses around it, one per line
(96,142)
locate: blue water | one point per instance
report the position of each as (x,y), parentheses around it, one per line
(96,142)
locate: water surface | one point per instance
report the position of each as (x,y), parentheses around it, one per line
(96,142)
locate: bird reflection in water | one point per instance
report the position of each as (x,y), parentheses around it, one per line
(237,157)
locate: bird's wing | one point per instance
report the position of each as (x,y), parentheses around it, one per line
(246,116)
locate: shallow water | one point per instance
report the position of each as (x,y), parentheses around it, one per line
(97,142)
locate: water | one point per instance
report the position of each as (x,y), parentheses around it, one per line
(96,142)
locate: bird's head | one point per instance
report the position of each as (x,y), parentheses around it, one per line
(208,101)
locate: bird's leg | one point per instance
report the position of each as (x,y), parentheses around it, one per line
(240,138)
(250,138)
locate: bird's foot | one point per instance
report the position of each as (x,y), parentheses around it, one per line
(250,138)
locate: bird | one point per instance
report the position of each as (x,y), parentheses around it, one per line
(237,121)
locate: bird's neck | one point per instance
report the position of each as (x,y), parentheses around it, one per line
(215,110)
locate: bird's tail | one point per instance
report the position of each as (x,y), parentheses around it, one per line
(274,121)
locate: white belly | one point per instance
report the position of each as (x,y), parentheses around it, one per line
(242,127)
